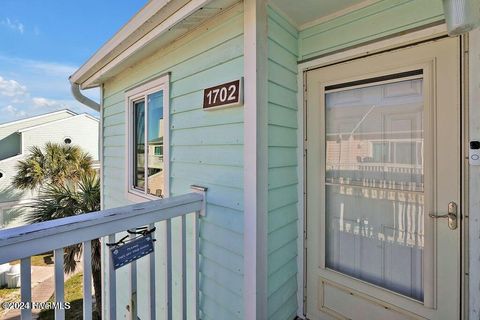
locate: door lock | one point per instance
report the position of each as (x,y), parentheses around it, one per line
(452,215)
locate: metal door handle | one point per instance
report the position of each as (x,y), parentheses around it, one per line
(452,215)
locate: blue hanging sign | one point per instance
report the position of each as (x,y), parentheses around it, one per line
(130,251)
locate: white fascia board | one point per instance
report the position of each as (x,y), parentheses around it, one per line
(38,117)
(136,34)
(83,115)
(140,18)
(146,39)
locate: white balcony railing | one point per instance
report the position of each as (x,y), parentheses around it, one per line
(26,241)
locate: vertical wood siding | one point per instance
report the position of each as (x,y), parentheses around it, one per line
(206,149)
(380,19)
(282,168)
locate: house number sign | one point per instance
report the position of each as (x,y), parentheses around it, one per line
(224,95)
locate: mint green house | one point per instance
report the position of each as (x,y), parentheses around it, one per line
(332,147)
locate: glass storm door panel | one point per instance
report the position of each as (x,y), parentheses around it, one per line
(374,184)
(382,136)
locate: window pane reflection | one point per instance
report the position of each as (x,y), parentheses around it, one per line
(155,144)
(374,184)
(139,140)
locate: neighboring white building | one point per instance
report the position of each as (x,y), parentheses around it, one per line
(17,137)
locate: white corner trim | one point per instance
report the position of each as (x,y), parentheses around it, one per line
(301,197)
(100,150)
(473,176)
(142,91)
(255,160)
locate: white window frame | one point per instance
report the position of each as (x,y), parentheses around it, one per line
(133,95)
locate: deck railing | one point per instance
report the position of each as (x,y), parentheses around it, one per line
(23,242)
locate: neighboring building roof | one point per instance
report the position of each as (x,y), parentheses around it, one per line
(157,24)
(9,128)
(57,121)
(49,114)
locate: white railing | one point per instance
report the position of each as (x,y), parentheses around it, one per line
(26,241)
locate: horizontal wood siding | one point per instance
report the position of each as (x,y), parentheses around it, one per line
(282,168)
(380,19)
(206,149)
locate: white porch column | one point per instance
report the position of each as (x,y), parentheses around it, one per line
(255,159)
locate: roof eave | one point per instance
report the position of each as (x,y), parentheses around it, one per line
(153,14)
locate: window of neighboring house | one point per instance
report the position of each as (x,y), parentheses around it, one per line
(147,159)
(158,150)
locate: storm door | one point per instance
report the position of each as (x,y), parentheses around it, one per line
(383,186)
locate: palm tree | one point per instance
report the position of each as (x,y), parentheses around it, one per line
(55,164)
(66,200)
(67,185)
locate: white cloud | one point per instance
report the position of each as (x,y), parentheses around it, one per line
(11,110)
(48,103)
(44,67)
(13,24)
(11,88)
(53,68)
(38,87)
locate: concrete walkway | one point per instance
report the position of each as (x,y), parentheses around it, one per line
(43,287)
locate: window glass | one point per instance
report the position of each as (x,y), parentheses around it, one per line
(155,144)
(139,145)
(374,184)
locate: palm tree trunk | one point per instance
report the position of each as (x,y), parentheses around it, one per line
(97,278)
(97,285)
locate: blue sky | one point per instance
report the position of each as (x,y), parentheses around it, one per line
(42,42)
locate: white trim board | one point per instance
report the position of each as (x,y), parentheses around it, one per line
(372,48)
(255,160)
(473,176)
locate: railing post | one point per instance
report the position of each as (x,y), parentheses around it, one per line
(151,280)
(26,286)
(133,286)
(59,283)
(198,214)
(112,283)
(203,192)
(87,280)
(168,254)
(184,268)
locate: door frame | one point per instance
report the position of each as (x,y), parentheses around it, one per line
(394,43)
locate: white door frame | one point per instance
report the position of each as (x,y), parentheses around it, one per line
(423,35)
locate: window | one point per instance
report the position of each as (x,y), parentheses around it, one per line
(147,159)
(158,151)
